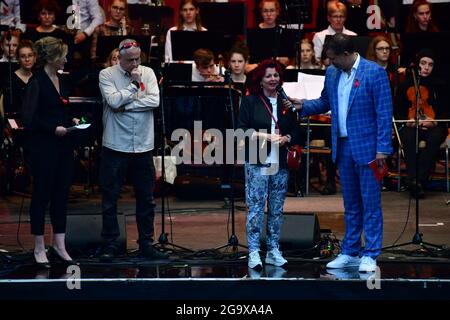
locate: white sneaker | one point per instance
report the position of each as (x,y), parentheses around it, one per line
(275,258)
(254,260)
(367,264)
(343,261)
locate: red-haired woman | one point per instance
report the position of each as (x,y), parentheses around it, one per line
(263,117)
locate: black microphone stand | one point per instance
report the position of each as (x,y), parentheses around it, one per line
(417,238)
(233,241)
(163,241)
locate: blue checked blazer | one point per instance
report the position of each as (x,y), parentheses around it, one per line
(369,117)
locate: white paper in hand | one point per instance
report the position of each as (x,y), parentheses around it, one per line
(79,127)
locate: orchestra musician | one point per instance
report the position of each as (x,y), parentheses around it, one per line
(188,20)
(431,103)
(204,68)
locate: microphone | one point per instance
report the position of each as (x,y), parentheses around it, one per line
(283,94)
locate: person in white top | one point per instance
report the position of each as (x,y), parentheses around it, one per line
(203,68)
(188,20)
(130,93)
(10,14)
(336,15)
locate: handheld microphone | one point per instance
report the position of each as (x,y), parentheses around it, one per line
(283,94)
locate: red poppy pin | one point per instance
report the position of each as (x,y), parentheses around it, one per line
(142,86)
(64,100)
(356,83)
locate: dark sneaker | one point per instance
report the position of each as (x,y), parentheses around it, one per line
(108,253)
(151,253)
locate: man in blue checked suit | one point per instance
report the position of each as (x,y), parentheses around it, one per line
(358,94)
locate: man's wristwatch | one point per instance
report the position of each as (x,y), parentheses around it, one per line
(135,83)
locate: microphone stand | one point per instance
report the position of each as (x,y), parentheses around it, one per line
(163,241)
(233,241)
(417,238)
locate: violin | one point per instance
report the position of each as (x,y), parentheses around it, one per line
(425,110)
(418,96)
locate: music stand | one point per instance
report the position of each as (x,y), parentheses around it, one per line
(270,43)
(417,238)
(158,18)
(233,241)
(216,17)
(177,73)
(184,43)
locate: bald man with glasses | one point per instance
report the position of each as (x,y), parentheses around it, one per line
(130,95)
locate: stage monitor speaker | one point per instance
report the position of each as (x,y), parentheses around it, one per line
(84,232)
(299,231)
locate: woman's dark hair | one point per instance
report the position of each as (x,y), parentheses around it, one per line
(260,71)
(49,5)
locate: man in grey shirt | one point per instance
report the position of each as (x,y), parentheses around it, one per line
(130,93)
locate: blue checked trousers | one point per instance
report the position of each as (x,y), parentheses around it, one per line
(362,204)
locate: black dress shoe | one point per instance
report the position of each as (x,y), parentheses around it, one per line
(56,258)
(151,253)
(42,265)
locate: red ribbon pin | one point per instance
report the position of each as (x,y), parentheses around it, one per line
(356,83)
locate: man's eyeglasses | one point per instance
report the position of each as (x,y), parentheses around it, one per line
(128,45)
(383,49)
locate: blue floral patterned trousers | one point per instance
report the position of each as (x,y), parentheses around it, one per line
(259,190)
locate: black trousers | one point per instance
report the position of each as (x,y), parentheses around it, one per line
(113,170)
(427,157)
(51,167)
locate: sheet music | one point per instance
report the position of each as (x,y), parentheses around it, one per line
(307,86)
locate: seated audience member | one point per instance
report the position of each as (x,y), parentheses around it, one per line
(117,25)
(307,57)
(204,69)
(336,15)
(420,19)
(432,103)
(188,20)
(9,44)
(47,10)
